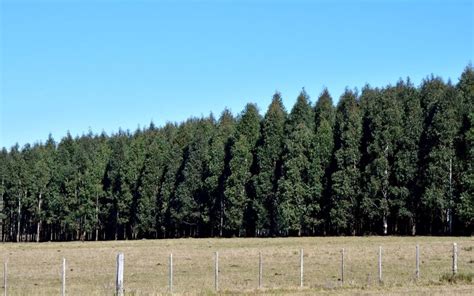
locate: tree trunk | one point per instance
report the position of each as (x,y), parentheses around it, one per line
(96,216)
(221,226)
(449,216)
(19,220)
(413,228)
(116,224)
(1,211)
(38,226)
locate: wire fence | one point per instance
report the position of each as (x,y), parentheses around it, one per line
(238,269)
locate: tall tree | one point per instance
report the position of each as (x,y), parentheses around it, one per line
(42,173)
(269,160)
(238,188)
(295,198)
(149,185)
(465,206)
(18,189)
(3,176)
(440,128)
(465,151)
(406,158)
(219,170)
(135,164)
(176,139)
(117,185)
(346,178)
(382,129)
(190,205)
(322,157)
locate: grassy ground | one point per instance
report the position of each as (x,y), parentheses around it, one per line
(35,268)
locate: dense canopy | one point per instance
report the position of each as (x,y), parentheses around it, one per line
(396,160)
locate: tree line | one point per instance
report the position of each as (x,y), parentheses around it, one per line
(397,160)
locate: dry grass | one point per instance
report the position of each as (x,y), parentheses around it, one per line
(35,268)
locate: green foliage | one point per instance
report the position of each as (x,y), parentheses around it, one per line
(465,150)
(382,124)
(438,152)
(238,187)
(395,160)
(346,178)
(190,205)
(406,197)
(269,161)
(322,160)
(219,170)
(466,204)
(295,197)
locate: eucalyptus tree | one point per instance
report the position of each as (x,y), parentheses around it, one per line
(297,205)
(176,140)
(190,204)
(18,185)
(322,157)
(465,151)
(269,164)
(238,193)
(439,102)
(406,159)
(118,194)
(43,175)
(219,170)
(346,177)
(3,176)
(382,129)
(465,206)
(149,184)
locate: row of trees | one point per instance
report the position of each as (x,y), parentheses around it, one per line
(396,160)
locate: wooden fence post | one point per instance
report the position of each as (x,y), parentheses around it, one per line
(342,266)
(301,268)
(260,270)
(455,258)
(216,271)
(170,278)
(63,278)
(5,277)
(119,275)
(380,264)
(417,257)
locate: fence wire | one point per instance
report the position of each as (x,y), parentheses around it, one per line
(92,267)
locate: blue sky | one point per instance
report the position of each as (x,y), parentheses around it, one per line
(101,65)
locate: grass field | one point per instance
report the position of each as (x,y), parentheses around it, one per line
(34,269)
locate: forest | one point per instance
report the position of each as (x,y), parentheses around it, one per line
(397,160)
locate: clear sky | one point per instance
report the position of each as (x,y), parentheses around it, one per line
(100,65)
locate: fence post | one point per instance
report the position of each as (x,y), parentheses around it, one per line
(301,268)
(342,266)
(63,278)
(417,257)
(380,264)
(170,278)
(260,270)
(216,272)
(455,258)
(5,276)
(119,275)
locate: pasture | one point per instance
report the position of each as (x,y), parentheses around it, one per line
(35,269)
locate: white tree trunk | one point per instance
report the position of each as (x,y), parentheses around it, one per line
(18,226)
(38,226)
